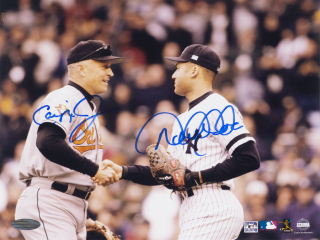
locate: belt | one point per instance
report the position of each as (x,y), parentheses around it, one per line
(190,191)
(61,187)
(77,192)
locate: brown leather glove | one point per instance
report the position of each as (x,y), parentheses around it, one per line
(100,228)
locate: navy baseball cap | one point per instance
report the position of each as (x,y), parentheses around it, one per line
(92,49)
(200,55)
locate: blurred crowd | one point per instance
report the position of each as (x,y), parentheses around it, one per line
(269,52)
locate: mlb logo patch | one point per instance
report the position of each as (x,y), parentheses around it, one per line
(268,225)
(251,226)
(195,57)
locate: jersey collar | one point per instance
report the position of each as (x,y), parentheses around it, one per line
(199,99)
(87,95)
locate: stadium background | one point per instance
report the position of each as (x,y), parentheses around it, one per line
(270,69)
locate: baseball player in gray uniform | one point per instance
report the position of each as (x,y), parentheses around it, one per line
(212,142)
(63,149)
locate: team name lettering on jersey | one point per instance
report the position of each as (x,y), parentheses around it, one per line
(88,137)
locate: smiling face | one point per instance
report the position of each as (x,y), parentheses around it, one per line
(97,75)
(181,78)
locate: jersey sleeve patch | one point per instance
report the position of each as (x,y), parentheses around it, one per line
(62,109)
(57,109)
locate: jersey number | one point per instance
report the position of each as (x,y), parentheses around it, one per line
(189,141)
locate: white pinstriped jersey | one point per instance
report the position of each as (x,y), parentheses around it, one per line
(211,213)
(85,138)
(206,152)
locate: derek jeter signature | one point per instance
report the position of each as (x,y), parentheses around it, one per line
(203,131)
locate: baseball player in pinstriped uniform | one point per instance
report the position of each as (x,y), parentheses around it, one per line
(210,210)
(64,149)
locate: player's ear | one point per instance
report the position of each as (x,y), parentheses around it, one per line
(80,70)
(194,70)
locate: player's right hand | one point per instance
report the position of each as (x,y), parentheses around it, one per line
(105,175)
(118,169)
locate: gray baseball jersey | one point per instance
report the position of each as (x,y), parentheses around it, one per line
(61,215)
(82,137)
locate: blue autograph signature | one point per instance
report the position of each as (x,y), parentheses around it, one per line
(184,136)
(67,113)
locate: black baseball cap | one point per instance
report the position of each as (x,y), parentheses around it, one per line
(92,49)
(200,55)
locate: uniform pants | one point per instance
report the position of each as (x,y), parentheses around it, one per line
(61,216)
(212,213)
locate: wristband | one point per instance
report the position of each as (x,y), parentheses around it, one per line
(200,178)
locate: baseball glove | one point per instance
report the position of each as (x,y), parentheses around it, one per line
(168,171)
(101,229)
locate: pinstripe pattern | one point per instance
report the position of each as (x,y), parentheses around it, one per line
(212,213)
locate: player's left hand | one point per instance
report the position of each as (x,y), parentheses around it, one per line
(168,171)
(190,179)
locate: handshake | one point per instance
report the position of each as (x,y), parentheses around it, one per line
(108,173)
(164,169)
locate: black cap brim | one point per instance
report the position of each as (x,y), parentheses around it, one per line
(113,59)
(176,59)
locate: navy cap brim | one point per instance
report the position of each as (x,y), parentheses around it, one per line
(113,59)
(176,59)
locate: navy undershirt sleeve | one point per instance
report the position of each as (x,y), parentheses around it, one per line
(245,158)
(51,143)
(139,174)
